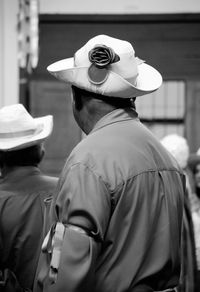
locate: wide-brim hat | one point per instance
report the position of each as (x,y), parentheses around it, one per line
(108,66)
(18,129)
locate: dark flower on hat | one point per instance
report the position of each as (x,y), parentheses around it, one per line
(101,56)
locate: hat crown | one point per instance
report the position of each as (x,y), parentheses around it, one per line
(119,46)
(127,65)
(18,129)
(15,118)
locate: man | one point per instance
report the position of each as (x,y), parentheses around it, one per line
(23,189)
(117,216)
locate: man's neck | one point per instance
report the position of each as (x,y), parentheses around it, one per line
(6,170)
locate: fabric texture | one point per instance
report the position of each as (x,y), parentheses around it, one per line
(22,193)
(122,185)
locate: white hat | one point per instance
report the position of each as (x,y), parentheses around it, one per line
(108,66)
(178,147)
(18,129)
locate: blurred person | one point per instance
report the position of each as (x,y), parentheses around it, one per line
(178,146)
(23,189)
(194,164)
(116,218)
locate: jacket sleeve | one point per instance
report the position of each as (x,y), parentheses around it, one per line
(83,203)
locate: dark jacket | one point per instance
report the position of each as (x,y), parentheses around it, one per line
(22,194)
(122,187)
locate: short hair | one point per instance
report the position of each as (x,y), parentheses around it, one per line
(116,102)
(30,156)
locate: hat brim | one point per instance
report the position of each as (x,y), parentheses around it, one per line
(45,127)
(148,79)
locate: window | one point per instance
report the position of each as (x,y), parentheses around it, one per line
(163,110)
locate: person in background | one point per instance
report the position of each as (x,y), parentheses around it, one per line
(116,218)
(194,165)
(23,189)
(178,146)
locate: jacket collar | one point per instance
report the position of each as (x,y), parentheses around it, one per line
(118,115)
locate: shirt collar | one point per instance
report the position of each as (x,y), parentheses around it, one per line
(118,115)
(13,174)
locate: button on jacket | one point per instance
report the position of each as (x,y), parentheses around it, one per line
(22,192)
(121,186)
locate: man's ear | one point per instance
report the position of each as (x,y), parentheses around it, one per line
(77,98)
(42,150)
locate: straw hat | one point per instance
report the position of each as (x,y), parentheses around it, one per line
(18,129)
(108,66)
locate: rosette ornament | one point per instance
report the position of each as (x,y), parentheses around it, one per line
(100,56)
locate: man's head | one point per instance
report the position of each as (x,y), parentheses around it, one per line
(89,107)
(19,130)
(30,156)
(178,147)
(104,75)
